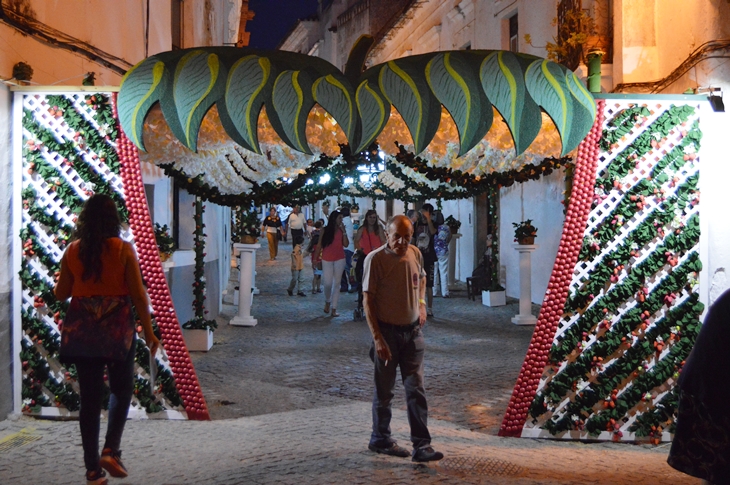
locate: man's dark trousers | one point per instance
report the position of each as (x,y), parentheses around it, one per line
(407,347)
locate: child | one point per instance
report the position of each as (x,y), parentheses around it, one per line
(297,267)
(316,258)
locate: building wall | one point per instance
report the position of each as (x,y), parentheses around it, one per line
(653,37)
(119,31)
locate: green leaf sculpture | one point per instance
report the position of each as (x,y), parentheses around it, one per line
(239,82)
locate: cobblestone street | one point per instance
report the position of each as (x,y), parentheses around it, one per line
(290,403)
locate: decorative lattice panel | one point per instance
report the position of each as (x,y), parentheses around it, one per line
(632,309)
(69,152)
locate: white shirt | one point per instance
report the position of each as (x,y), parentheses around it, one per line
(297,221)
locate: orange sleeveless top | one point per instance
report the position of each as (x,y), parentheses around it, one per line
(112,282)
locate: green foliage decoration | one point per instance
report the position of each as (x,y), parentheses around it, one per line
(187,83)
(638,309)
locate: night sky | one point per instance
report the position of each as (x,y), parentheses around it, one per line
(274,19)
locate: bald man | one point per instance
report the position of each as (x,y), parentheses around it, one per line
(394,290)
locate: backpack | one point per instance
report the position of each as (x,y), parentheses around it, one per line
(423,239)
(423,242)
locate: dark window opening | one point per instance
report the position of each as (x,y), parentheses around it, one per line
(513,34)
(177,24)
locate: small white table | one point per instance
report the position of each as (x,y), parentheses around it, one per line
(245,283)
(525,317)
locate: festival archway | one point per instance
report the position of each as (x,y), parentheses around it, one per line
(282,111)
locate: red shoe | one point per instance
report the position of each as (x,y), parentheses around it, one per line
(111,461)
(96,478)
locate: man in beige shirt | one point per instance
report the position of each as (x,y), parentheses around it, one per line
(394,290)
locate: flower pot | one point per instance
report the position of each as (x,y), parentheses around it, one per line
(494,298)
(164,256)
(248,240)
(526,240)
(198,340)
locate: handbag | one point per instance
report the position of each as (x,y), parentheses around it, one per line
(97,328)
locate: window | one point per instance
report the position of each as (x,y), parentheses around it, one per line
(149,191)
(177,24)
(183,214)
(513,34)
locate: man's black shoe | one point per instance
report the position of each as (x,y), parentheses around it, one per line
(394,450)
(426,454)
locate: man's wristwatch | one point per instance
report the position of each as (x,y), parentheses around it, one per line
(421,301)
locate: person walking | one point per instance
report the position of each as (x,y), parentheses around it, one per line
(368,237)
(331,246)
(394,287)
(701,444)
(316,258)
(297,267)
(100,272)
(424,231)
(297,223)
(272,228)
(441,266)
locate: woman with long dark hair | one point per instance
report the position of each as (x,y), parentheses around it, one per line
(368,237)
(332,245)
(101,273)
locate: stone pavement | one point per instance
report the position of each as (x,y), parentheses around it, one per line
(290,397)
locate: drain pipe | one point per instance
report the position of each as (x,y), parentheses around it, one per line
(595,56)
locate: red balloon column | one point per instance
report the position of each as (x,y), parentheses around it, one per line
(186,380)
(557,291)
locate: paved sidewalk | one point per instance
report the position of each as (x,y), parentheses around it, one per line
(290,404)
(325,445)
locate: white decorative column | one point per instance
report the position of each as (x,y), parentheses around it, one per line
(255,291)
(247,254)
(452,259)
(525,317)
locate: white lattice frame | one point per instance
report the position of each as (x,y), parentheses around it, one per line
(583,269)
(38,104)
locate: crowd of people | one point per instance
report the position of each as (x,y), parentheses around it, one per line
(336,248)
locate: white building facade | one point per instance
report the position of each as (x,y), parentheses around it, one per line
(645,42)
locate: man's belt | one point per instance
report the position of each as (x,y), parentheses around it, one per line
(399,328)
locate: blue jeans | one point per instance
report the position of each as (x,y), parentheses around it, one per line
(407,347)
(345,280)
(91,387)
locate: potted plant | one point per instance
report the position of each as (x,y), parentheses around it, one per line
(355,208)
(165,242)
(453,224)
(525,232)
(198,334)
(494,294)
(250,227)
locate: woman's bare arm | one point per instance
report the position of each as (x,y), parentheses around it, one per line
(138,294)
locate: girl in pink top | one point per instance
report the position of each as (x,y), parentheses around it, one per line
(369,237)
(332,245)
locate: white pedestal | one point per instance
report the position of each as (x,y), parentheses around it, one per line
(452,259)
(525,317)
(247,253)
